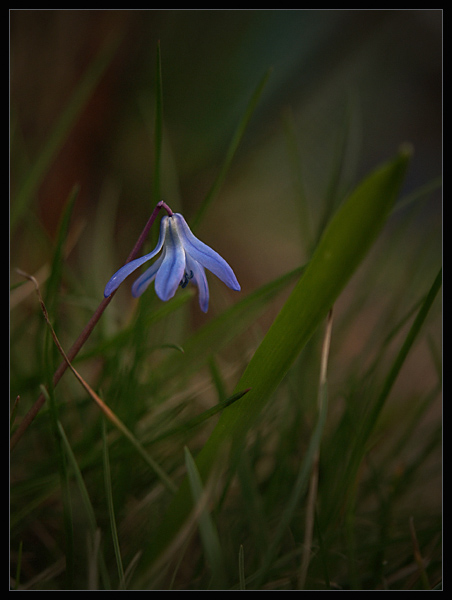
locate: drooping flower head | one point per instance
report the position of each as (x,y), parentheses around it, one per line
(183,259)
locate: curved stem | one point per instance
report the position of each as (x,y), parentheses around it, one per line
(84,335)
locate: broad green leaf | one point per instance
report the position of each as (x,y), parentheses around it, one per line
(216,334)
(344,244)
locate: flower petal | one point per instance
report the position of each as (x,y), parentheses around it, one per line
(200,279)
(130,267)
(203,254)
(172,268)
(141,284)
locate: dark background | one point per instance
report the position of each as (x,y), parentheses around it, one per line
(382,67)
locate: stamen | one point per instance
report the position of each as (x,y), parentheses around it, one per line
(186,278)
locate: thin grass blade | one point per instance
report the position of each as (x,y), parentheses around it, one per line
(89,510)
(234,144)
(368,426)
(207,529)
(111,508)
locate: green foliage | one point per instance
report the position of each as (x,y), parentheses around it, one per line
(198,477)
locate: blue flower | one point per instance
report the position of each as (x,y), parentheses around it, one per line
(183,259)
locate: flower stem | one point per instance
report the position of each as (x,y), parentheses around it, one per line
(84,335)
(146,230)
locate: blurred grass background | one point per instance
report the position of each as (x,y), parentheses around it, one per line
(353,84)
(383,67)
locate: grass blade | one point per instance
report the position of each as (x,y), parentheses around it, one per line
(79,478)
(198,419)
(312,495)
(64,483)
(19,564)
(207,529)
(111,509)
(301,485)
(100,403)
(294,155)
(365,430)
(341,249)
(91,517)
(234,144)
(242,568)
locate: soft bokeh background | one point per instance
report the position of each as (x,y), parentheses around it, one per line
(381,67)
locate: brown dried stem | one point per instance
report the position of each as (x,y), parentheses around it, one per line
(84,335)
